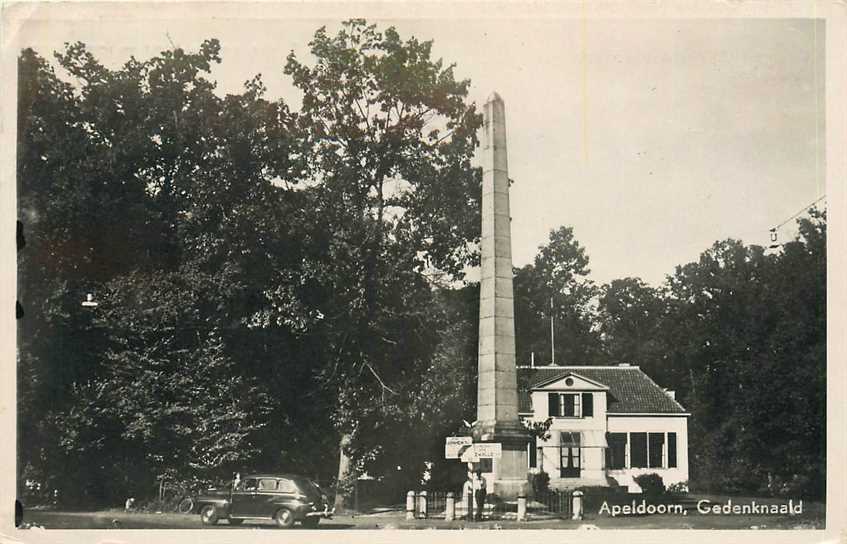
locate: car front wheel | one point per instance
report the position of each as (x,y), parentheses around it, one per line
(235,521)
(284,518)
(209,515)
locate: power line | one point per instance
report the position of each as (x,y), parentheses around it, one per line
(803,209)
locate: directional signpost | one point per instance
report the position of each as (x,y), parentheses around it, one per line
(482,450)
(456,445)
(488,449)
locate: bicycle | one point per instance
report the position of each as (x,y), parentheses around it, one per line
(178,498)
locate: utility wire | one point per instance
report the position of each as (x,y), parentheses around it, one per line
(803,209)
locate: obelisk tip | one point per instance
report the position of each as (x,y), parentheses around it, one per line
(494,97)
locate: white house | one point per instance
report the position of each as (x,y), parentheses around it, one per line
(610,424)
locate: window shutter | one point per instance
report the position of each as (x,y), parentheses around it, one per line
(671,450)
(587,405)
(533,458)
(553,404)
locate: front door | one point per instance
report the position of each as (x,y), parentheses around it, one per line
(244,499)
(267,499)
(570,462)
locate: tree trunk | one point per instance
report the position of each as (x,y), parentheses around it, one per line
(342,494)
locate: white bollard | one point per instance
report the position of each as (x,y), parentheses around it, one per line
(450,507)
(410,505)
(521,508)
(422,506)
(577,505)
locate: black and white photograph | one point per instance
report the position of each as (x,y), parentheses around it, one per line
(289,270)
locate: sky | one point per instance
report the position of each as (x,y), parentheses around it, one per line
(652,138)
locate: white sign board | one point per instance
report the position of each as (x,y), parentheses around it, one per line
(493,450)
(469,456)
(480,450)
(455,445)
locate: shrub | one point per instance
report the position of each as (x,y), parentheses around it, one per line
(651,485)
(540,483)
(678,488)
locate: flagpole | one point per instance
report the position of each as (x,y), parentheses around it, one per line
(552,336)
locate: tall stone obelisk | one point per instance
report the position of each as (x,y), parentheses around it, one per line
(497,392)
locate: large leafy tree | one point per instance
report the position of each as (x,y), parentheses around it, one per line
(70,211)
(129,180)
(170,399)
(746,347)
(390,136)
(630,316)
(316,237)
(556,285)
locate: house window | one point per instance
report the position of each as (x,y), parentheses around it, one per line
(672,450)
(638,450)
(646,450)
(655,449)
(567,404)
(616,452)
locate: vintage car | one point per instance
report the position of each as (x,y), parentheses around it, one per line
(283,498)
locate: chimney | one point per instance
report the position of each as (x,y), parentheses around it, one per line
(532,360)
(671,393)
(623,364)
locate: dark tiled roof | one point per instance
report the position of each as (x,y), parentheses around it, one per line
(630,390)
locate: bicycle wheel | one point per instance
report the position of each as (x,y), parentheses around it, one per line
(185,506)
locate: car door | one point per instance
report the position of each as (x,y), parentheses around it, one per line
(288,493)
(267,499)
(244,498)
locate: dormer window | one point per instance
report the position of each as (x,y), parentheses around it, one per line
(570,404)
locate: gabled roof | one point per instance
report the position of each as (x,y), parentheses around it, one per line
(554,378)
(631,391)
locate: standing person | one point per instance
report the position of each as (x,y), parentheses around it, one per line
(479,493)
(468,495)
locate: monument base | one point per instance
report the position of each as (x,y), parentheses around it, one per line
(510,475)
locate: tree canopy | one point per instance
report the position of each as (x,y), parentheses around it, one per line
(240,250)
(278,287)
(556,285)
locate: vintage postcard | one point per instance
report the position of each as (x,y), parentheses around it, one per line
(349,271)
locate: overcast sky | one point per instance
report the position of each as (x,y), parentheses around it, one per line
(652,138)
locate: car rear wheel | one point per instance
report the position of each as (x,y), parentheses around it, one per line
(284,518)
(311,523)
(209,515)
